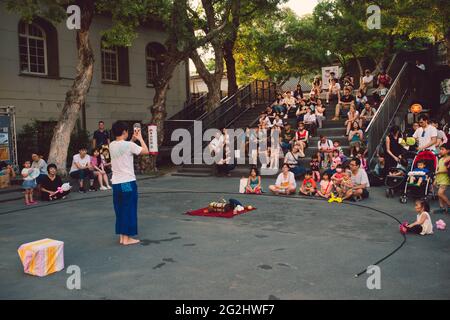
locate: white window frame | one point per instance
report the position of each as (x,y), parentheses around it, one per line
(157,63)
(27,36)
(115,51)
(151,60)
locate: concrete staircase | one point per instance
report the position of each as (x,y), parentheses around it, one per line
(333,130)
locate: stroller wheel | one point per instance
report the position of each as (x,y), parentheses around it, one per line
(403,199)
(388,193)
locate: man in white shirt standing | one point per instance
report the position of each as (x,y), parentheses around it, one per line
(125,195)
(426,135)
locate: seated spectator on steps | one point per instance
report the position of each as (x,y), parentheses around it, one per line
(81,168)
(290,103)
(344,103)
(312,101)
(301,111)
(310,121)
(325,147)
(349,81)
(366,115)
(287,138)
(292,159)
(384,79)
(355,137)
(317,85)
(366,81)
(334,94)
(320,113)
(285,183)
(298,93)
(360,181)
(50,184)
(302,138)
(277,105)
(352,116)
(381,92)
(360,100)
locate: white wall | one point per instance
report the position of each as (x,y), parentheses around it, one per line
(43,99)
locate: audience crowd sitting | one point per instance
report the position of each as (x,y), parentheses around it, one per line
(39,176)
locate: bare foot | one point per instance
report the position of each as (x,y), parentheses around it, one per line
(130,241)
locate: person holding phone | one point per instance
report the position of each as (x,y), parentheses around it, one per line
(125,195)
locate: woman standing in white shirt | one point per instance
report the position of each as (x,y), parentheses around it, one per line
(125,195)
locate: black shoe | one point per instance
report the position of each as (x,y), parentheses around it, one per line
(92,189)
(82,190)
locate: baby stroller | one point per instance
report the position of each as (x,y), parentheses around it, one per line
(425,190)
(395,181)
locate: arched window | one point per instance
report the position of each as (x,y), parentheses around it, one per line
(154,55)
(110,64)
(32,49)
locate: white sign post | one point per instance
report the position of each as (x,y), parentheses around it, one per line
(152,139)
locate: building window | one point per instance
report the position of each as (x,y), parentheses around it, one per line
(110,64)
(154,54)
(32,49)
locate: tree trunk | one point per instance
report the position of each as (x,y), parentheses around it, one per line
(360,68)
(213,97)
(230,63)
(447,44)
(76,96)
(147,163)
(212,80)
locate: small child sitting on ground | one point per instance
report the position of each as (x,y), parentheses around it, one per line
(308,187)
(253,182)
(335,159)
(423,224)
(347,185)
(315,167)
(325,187)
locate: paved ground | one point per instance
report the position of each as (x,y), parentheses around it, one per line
(289,248)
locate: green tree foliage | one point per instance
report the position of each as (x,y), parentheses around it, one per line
(277,47)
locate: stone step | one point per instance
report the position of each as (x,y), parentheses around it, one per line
(331,131)
(191,175)
(195,170)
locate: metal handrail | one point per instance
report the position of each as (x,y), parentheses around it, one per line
(378,127)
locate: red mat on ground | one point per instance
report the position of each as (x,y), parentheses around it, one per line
(229,214)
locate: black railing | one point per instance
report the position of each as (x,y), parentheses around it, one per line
(192,109)
(228,110)
(408,83)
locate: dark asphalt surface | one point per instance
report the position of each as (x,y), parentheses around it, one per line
(289,248)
